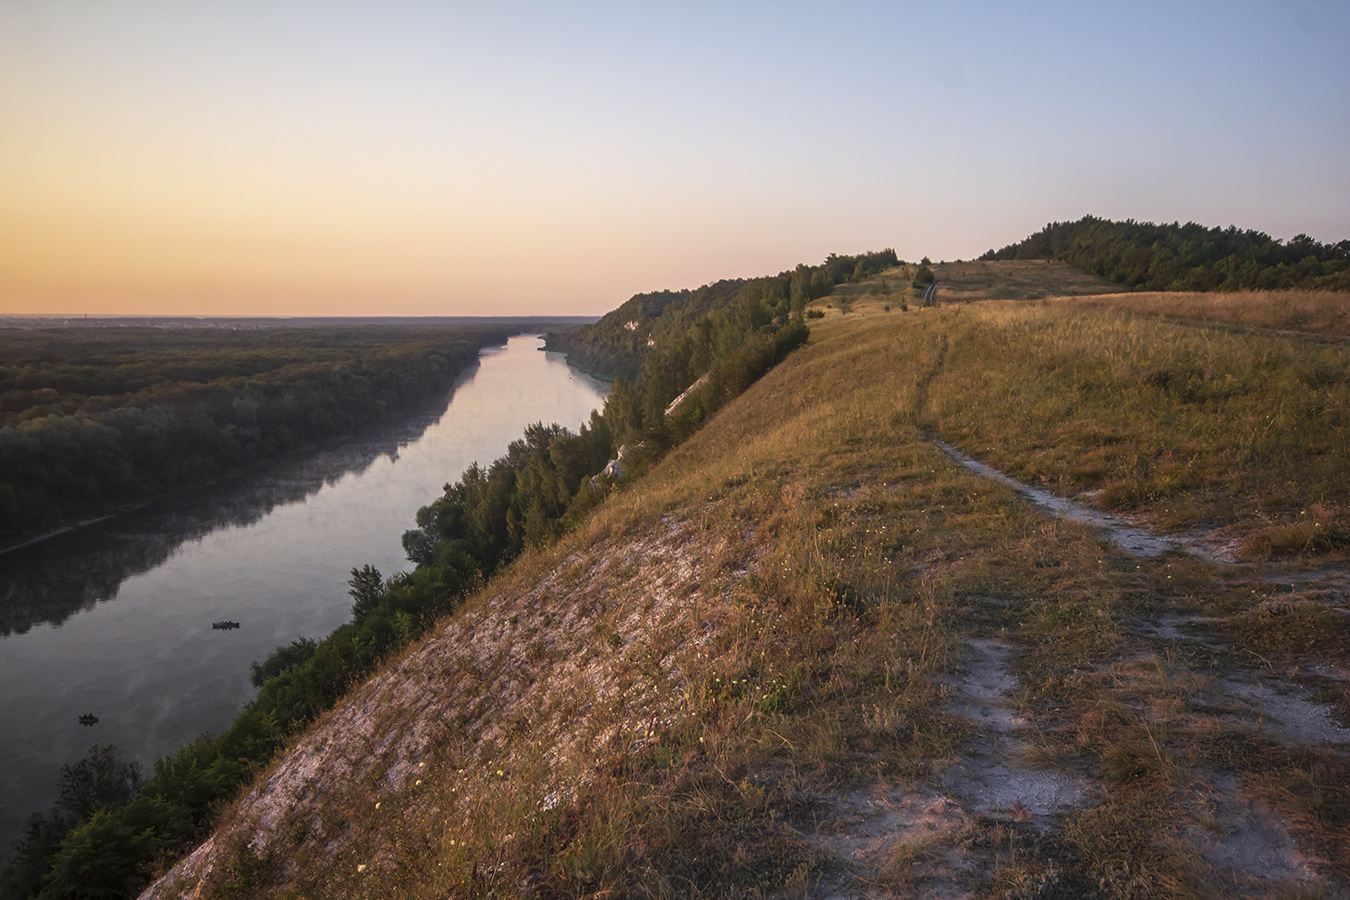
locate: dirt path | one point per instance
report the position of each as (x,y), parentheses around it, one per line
(1008,793)
(1129,536)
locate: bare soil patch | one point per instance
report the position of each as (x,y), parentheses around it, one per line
(1247,842)
(1283,710)
(990,777)
(1128,535)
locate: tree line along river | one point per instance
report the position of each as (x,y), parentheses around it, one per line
(115,619)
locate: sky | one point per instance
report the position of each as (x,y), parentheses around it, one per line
(290,157)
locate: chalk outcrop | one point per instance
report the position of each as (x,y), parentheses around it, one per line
(590,663)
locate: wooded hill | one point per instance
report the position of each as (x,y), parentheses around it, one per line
(617,345)
(545,485)
(1186,257)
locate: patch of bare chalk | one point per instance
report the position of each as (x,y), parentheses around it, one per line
(884,838)
(888,840)
(1180,628)
(1285,711)
(591,660)
(1124,534)
(991,778)
(1247,842)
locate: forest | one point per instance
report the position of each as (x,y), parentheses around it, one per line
(97,419)
(618,344)
(108,839)
(1186,257)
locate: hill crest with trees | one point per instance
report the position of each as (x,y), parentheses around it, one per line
(1188,257)
(618,344)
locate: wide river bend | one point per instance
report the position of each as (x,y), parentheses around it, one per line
(115,619)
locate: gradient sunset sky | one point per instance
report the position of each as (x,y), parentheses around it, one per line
(508,158)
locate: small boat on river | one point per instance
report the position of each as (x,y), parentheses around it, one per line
(88,719)
(225,626)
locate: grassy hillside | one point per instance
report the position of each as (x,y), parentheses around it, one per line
(1033,279)
(812,654)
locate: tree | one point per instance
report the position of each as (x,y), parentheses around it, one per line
(283,659)
(367,590)
(99,784)
(99,860)
(33,853)
(102,780)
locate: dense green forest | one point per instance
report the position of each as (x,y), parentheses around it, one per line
(1186,257)
(92,419)
(108,842)
(617,345)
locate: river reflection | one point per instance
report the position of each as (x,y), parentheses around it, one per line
(52,580)
(115,619)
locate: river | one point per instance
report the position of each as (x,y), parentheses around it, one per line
(115,619)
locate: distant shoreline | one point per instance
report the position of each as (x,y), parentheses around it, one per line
(34,320)
(66,529)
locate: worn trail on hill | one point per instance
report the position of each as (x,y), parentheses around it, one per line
(1128,536)
(1002,779)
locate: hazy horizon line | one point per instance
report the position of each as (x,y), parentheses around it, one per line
(550,317)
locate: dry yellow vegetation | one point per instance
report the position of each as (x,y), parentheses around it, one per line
(811,654)
(1309,312)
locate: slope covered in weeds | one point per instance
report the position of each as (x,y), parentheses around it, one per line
(810,654)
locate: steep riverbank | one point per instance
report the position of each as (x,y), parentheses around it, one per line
(96,419)
(810,652)
(116,619)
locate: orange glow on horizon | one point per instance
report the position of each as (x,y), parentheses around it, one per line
(444,159)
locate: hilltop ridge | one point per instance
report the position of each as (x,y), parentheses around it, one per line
(619,343)
(810,653)
(1186,257)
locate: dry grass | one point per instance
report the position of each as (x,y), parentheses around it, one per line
(671,702)
(1179,423)
(1027,279)
(964,282)
(1308,312)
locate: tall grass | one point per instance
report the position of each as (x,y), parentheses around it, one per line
(664,704)
(1245,431)
(1318,312)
